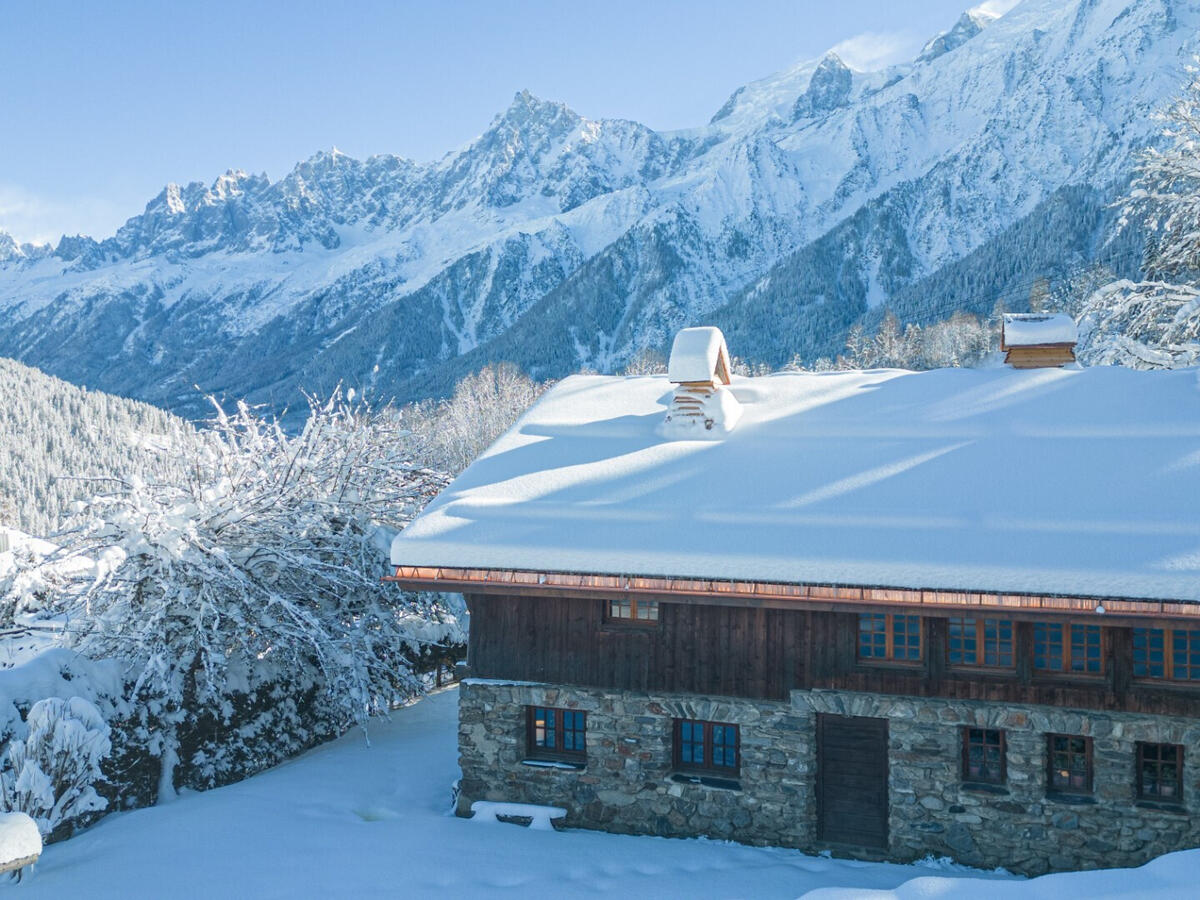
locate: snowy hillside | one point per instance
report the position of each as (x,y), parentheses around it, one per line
(359,819)
(55,436)
(813,197)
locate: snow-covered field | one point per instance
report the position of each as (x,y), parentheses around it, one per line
(359,818)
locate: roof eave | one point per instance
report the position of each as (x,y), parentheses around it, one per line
(776,595)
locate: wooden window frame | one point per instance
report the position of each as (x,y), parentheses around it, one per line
(635,605)
(1168,662)
(1175,799)
(981,643)
(555,753)
(967,744)
(889,632)
(1068,650)
(707,767)
(1089,765)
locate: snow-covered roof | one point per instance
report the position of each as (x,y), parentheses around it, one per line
(1082,481)
(698,354)
(1034,329)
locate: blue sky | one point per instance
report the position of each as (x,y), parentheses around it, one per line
(104,103)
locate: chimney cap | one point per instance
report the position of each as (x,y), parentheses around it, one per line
(699,355)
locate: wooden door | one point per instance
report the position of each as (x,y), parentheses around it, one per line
(852,781)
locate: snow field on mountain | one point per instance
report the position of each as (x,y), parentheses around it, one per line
(368,817)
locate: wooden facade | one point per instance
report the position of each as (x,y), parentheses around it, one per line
(763,653)
(1040,356)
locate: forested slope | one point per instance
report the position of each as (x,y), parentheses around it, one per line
(56,437)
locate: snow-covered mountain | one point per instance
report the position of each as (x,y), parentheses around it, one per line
(814,197)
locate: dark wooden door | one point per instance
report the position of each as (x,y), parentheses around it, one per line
(852,781)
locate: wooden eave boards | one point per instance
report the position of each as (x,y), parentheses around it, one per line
(787,596)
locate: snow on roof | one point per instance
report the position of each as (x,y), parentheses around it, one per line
(1032,329)
(696,354)
(1040,481)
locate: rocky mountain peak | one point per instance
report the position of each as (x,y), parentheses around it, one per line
(969,24)
(828,89)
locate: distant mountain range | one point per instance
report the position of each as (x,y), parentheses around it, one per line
(814,198)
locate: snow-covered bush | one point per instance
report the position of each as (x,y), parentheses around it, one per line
(51,773)
(244,596)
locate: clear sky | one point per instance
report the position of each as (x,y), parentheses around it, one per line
(105,102)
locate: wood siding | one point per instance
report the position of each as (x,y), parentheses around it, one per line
(764,653)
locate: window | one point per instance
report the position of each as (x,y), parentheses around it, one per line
(983,755)
(1170,653)
(1160,772)
(889,638)
(706,747)
(1075,649)
(980,642)
(632,611)
(557,734)
(1070,764)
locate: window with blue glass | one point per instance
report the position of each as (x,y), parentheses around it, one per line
(1172,654)
(559,734)
(885,637)
(707,747)
(975,641)
(1074,649)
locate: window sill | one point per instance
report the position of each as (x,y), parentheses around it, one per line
(904,665)
(1071,799)
(710,781)
(984,787)
(631,627)
(563,764)
(1173,808)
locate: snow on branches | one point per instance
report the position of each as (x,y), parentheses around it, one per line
(1143,325)
(259,565)
(51,773)
(1165,194)
(450,434)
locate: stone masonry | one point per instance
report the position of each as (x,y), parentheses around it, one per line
(627,784)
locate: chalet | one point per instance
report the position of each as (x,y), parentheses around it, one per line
(1038,340)
(883,613)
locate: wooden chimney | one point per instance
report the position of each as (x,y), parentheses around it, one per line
(700,369)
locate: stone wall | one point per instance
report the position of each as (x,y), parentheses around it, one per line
(628,784)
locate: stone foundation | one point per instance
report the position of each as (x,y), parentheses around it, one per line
(627,784)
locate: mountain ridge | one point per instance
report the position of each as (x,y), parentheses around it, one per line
(384,272)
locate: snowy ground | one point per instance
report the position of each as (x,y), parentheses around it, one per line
(354,819)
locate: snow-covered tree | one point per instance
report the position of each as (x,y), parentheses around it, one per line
(1070,295)
(449,435)
(1165,195)
(647,361)
(51,774)
(253,579)
(1141,325)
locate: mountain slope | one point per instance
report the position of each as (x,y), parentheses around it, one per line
(813,197)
